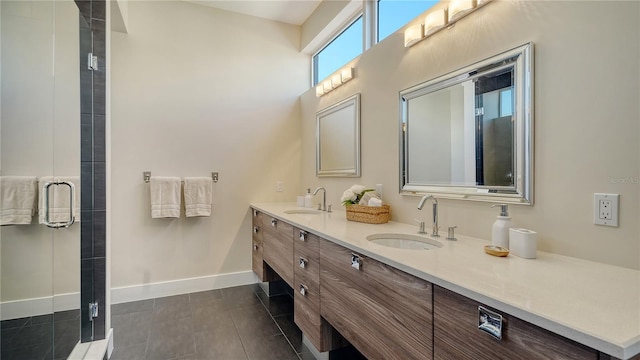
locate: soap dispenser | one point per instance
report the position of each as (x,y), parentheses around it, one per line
(500,231)
(308,200)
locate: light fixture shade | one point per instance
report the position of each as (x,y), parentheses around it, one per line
(435,21)
(346,74)
(458,8)
(336,80)
(319,90)
(326,86)
(412,35)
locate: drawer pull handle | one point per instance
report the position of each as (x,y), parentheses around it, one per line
(303,290)
(303,235)
(356,262)
(303,262)
(256,229)
(490,322)
(255,213)
(255,247)
(274,222)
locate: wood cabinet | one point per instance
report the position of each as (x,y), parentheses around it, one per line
(384,312)
(257,246)
(456,335)
(306,249)
(307,286)
(277,239)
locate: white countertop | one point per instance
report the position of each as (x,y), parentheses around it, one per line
(592,303)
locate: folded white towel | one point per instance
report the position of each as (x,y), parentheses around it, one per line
(59,211)
(165,197)
(197,196)
(17,199)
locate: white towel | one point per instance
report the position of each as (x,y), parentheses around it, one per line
(197,196)
(58,199)
(17,199)
(165,197)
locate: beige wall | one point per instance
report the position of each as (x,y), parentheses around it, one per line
(196,90)
(325,13)
(587,132)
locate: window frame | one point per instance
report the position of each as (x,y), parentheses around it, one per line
(314,58)
(370,15)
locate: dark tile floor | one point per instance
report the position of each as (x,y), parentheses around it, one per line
(43,337)
(227,324)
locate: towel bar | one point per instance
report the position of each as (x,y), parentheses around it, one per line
(147,176)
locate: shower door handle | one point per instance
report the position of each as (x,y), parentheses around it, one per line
(72,202)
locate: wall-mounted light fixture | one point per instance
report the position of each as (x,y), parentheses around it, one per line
(334,81)
(439,19)
(435,21)
(459,8)
(412,35)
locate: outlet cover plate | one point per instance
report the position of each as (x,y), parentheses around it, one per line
(605,209)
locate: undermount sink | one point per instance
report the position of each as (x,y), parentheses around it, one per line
(302,211)
(404,241)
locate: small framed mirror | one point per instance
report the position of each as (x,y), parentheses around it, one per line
(338,139)
(469,134)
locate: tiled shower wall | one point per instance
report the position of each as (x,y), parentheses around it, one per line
(92,168)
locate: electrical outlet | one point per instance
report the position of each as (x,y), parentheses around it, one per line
(279,186)
(605,209)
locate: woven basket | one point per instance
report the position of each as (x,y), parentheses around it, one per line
(368,214)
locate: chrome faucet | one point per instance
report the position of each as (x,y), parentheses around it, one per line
(324,199)
(435,212)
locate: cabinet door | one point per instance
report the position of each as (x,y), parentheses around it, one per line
(456,335)
(277,239)
(382,311)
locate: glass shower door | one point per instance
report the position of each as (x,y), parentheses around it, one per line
(40,139)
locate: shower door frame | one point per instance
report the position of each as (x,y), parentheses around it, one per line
(93,246)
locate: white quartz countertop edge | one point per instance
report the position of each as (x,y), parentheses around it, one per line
(595,304)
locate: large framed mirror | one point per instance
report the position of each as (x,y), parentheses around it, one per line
(469,134)
(338,139)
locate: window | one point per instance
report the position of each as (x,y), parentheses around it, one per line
(352,41)
(506,102)
(344,48)
(394,14)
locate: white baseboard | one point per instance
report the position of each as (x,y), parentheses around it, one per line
(39,306)
(182,286)
(49,304)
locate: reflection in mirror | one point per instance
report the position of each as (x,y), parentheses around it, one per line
(467,135)
(338,139)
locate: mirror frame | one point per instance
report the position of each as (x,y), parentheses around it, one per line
(522,192)
(354,171)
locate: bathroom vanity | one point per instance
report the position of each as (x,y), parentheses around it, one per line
(393,303)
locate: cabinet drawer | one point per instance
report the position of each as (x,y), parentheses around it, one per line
(382,311)
(456,335)
(257,263)
(256,217)
(271,224)
(278,250)
(306,313)
(306,243)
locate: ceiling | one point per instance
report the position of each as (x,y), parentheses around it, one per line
(288,11)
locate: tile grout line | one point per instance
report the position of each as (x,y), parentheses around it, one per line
(235,327)
(278,325)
